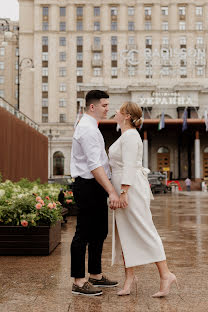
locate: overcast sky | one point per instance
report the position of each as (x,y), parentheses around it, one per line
(10,9)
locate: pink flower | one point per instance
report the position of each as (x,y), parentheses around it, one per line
(54,205)
(24,223)
(38,206)
(41,202)
(38,198)
(47,197)
(68,201)
(50,205)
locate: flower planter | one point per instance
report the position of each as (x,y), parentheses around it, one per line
(33,241)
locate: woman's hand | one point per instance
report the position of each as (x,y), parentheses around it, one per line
(123,200)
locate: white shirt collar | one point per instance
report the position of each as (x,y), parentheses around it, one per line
(91,119)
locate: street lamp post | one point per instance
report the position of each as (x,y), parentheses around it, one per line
(50,136)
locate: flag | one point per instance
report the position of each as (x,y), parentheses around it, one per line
(161,124)
(206,119)
(79,115)
(185,114)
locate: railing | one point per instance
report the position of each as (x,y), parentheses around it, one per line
(5,104)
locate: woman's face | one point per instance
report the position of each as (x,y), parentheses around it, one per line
(119,117)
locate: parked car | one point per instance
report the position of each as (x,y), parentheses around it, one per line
(157,182)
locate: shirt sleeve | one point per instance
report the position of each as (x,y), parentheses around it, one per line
(129,150)
(91,147)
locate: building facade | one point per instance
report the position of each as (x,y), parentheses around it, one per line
(151,52)
(9,61)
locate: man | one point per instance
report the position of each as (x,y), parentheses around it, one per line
(188,184)
(90,168)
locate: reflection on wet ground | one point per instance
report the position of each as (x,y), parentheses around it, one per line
(44,284)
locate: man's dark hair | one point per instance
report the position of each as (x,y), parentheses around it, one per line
(93,96)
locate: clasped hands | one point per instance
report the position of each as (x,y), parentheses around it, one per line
(118,202)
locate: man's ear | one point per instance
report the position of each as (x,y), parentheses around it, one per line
(91,107)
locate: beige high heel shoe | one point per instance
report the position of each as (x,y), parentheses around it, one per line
(123,292)
(172,279)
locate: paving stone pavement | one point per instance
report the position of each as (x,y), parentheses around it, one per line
(43,284)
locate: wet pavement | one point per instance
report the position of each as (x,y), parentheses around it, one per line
(43,283)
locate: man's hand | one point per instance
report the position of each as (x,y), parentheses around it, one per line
(114,200)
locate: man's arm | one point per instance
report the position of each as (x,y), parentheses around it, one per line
(101,177)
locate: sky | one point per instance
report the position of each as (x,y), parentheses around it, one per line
(10,9)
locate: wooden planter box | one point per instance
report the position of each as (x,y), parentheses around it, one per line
(33,241)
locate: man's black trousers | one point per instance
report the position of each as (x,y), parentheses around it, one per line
(92,226)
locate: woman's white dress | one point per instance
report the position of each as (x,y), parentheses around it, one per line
(133,232)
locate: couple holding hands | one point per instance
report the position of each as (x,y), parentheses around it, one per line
(122,178)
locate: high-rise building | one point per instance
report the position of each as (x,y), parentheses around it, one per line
(149,52)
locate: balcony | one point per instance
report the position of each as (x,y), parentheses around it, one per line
(97,47)
(182,17)
(148,17)
(97,63)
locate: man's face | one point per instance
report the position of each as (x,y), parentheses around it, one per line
(101,109)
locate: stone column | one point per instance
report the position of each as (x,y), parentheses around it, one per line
(145,150)
(139,16)
(197,156)
(54,17)
(173,16)
(156,20)
(123,21)
(105,17)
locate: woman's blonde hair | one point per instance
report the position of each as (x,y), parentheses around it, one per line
(134,111)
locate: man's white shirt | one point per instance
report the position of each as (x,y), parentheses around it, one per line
(88,149)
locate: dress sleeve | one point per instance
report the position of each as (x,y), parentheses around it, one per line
(129,151)
(91,148)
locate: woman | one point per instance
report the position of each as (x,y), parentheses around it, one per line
(134,234)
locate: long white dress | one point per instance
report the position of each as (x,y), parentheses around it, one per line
(133,231)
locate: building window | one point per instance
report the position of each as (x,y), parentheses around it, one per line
(62,56)
(96,11)
(130,11)
(148,41)
(148,71)
(114,26)
(62,87)
(182,10)
(16,65)
(45,41)
(44,86)
(114,11)
(1,79)
(199,40)
(183,71)
(131,71)
(97,26)
(148,26)
(62,118)
(45,11)
(44,56)
(97,41)
(199,11)
(44,102)
(79,41)
(1,65)
(165,26)
(97,56)
(114,56)
(58,163)
(97,71)
(62,11)
(17,52)
(62,102)
(199,26)
(79,25)
(79,56)
(131,26)
(114,71)
(62,71)
(62,26)
(182,26)
(147,11)
(131,40)
(79,71)
(182,40)
(164,11)
(2,51)
(45,26)
(2,93)
(113,40)
(62,41)
(44,118)
(79,11)
(44,71)
(165,71)
(165,41)
(200,71)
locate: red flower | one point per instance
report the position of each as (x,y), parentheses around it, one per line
(47,197)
